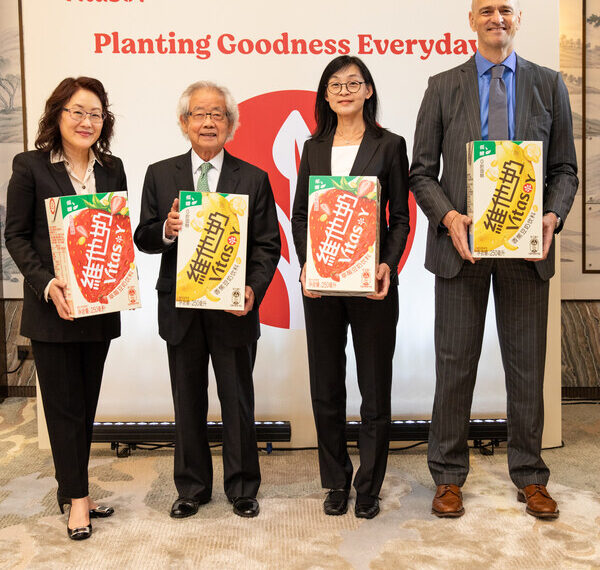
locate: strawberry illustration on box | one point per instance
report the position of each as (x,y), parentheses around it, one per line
(92,251)
(211,251)
(343,235)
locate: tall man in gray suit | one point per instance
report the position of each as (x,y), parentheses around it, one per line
(495,95)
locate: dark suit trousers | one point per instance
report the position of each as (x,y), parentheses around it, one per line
(70,374)
(188,365)
(374,336)
(521,301)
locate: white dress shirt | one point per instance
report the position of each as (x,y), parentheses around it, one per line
(213,174)
(342,159)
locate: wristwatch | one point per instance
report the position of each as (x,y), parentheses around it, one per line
(558,221)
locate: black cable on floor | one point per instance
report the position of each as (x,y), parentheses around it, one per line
(16,369)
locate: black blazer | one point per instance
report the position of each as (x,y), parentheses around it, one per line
(384,157)
(34,179)
(164,180)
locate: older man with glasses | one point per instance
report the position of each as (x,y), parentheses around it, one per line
(208,117)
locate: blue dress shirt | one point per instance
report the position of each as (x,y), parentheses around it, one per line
(484,76)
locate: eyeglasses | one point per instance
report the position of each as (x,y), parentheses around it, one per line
(216,116)
(79,115)
(336,87)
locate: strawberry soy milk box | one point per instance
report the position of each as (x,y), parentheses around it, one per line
(92,250)
(343,235)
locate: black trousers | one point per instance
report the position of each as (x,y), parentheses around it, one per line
(373,326)
(521,301)
(188,365)
(70,374)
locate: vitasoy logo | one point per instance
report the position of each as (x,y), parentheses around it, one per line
(274,127)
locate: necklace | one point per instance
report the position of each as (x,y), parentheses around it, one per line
(352,138)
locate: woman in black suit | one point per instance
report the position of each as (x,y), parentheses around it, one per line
(72,157)
(348,141)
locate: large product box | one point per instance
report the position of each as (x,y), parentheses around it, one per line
(92,250)
(211,251)
(343,235)
(505,198)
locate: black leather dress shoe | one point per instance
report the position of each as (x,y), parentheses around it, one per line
(184,508)
(245,506)
(336,502)
(366,507)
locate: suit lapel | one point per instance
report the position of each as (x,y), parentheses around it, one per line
(61,177)
(524,88)
(184,178)
(101,176)
(229,177)
(323,157)
(470,91)
(366,150)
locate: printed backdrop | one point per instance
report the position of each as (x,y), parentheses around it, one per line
(271,56)
(11,131)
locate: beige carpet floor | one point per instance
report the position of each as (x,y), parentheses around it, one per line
(291,530)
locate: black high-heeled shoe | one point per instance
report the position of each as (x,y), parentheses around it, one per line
(79,533)
(101,511)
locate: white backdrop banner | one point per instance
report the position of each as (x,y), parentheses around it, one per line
(270,55)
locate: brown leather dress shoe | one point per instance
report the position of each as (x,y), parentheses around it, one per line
(539,502)
(448,502)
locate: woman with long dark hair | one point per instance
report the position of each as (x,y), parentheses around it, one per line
(72,157)
(349,141)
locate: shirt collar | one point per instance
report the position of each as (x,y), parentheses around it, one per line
(216,161)
(484,65)
(60,157)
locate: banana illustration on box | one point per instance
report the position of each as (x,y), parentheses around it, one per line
(504,198)
(211,251)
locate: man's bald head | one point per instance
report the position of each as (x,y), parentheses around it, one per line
(515,3)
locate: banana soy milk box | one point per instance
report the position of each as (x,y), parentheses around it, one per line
(504,198)
(211,251)
(343,235)
(92,251)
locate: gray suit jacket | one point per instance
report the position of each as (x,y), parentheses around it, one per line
(163,182)
(450,117)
